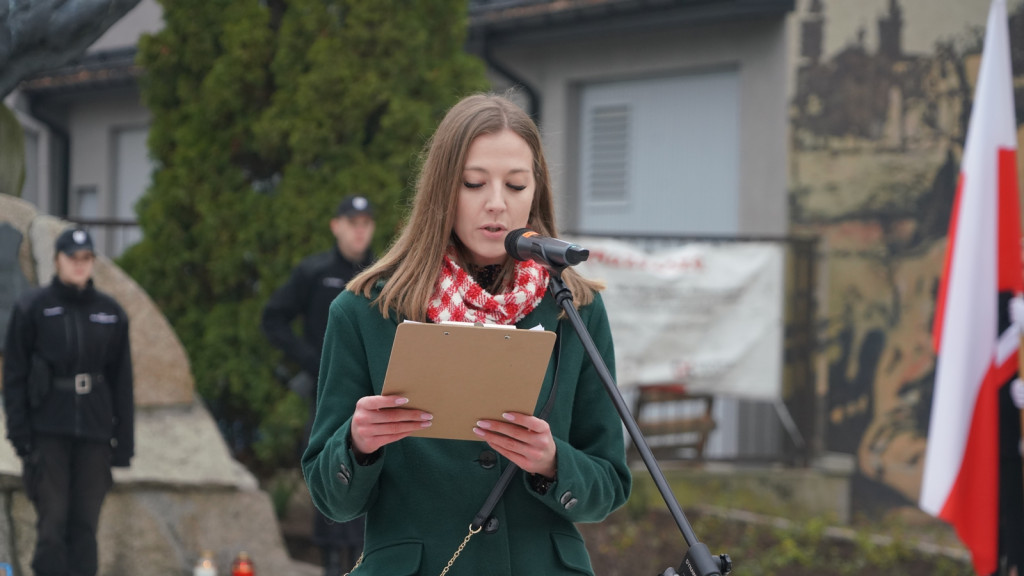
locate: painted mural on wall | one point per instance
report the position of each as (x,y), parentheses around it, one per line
(879,111)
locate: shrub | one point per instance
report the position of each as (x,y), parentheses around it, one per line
(266,113)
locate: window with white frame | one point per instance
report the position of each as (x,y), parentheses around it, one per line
(132,170)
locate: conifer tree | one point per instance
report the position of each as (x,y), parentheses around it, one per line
(265,114)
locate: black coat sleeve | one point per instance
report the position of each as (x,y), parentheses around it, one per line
(17,364)
(120,373)
(285,304)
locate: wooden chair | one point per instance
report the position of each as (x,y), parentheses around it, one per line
(671,435)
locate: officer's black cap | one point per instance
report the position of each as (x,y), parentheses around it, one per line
(74,240)
(354,205)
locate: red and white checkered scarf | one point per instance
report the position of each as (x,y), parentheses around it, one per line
(457,297)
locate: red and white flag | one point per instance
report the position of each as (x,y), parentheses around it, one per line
(976,344)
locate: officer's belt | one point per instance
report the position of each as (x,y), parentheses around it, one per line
(79,383)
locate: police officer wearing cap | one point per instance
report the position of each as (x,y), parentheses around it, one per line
(67,388)
(308,293)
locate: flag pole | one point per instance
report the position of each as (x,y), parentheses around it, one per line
(1020,371)
(1020,375)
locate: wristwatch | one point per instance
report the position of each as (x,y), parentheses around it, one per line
(367,459)
(364,459)
(541,484)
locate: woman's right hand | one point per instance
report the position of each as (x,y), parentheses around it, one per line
(380,420)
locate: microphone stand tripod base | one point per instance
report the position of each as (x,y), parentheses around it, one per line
(699,562)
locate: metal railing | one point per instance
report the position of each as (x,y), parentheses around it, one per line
(112,236)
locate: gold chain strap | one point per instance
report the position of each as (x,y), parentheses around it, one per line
(461,546)
(450,562)
(358,562)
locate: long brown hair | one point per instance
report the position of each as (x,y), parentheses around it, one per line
(411,266)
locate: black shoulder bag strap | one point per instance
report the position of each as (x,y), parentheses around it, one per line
(506,477)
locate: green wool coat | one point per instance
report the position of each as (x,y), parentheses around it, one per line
(422,494)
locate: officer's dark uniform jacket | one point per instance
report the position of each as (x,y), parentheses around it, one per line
(80,337)
(313,285)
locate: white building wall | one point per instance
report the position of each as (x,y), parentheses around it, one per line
(93,126)
(757,49)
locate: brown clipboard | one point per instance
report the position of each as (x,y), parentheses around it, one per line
(462,373)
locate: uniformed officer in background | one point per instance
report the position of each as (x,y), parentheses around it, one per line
(308,293)
(67,388)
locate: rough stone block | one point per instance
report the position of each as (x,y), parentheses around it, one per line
(160,531)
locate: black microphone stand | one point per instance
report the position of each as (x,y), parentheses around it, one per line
(698,560)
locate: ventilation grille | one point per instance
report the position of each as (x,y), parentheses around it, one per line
(609,153)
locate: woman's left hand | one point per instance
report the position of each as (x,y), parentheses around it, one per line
(525,440)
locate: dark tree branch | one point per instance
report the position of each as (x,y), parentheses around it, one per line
(37,35)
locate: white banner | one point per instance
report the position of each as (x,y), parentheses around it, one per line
(708,316)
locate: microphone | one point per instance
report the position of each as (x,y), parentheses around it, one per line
(525,244)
